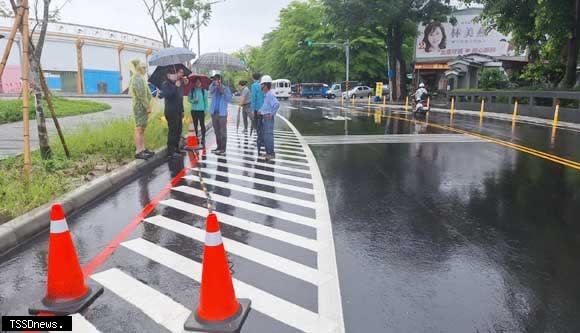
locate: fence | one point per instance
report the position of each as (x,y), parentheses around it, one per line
(532,104)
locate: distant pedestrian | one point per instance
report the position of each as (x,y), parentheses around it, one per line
(257,101)
(221,96)
(245,104)
(172,92)
(199,106)
(139,91)
(268,113)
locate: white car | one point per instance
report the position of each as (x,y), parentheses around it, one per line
(358,91)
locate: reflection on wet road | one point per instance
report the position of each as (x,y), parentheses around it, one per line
(439,226)
(450,237)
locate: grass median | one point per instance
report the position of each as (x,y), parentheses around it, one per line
(11,109)
(95,151)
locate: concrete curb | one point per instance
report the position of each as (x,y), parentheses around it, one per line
(23,228)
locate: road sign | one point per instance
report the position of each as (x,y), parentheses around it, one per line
(379,90)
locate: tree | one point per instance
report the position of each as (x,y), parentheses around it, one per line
(184,15)
(34,56)
(282,57)
(394,21)
(158,12)
(547,29)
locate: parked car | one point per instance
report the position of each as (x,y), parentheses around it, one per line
(358,92)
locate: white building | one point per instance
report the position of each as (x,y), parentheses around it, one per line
(79,59)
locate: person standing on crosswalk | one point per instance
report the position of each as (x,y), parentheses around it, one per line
(221,96)
(267,113)
(257,99)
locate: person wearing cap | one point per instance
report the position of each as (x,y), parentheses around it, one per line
(245,103)
(172,92)
(257,99)
(267,113)
(141,95)
(221,96)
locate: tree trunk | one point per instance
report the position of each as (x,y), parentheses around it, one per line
(392,60)
(570,77)
(398,38)
(45,151)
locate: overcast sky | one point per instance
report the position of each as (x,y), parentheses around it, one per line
(235,23)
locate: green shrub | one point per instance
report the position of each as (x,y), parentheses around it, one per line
(493,79)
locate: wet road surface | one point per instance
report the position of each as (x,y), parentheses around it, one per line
(433,230)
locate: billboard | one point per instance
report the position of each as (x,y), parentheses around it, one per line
(437,40)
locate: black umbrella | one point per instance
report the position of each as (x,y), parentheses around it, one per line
(160,73)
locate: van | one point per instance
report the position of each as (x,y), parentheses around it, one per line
(281,88)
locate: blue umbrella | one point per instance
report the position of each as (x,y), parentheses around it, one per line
(171,56)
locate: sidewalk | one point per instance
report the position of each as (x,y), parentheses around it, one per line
(11,142)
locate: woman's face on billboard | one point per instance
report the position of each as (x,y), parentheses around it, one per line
(435,37)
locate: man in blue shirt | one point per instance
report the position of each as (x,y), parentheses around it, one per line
(257,99)
(267,113)
(221,96)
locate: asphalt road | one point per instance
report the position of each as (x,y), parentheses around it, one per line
(412,225)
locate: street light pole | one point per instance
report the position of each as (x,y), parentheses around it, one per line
(198,36)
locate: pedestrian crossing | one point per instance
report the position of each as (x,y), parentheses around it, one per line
(274,217)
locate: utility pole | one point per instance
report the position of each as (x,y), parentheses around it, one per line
(198,36)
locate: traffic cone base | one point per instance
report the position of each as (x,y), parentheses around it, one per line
(67,292)
(229,325)
(65,308)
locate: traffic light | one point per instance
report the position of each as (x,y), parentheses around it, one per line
(306,42)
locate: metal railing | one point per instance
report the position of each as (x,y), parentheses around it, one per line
(530,103)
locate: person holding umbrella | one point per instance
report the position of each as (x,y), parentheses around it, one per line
(199,106)
(172,92)
(221,96)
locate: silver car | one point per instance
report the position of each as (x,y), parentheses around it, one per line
(359,92)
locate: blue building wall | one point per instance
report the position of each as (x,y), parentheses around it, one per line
(93,78)
(54,82)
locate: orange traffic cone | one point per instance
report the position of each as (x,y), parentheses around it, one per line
(66,291)
(192,141)
(218,309)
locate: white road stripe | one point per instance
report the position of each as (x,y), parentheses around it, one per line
(277,143)
(280,132)
(236,153)
(263,194)
(289,150)
(258,171)
(268,304)
(250,150)
(277,234)
(278,138)
(308,108)
(160,308)
(275,262)
(325,108)
(266,165)
(292,108)
(329,297)
(81,324)
(291,217)
(259,181)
